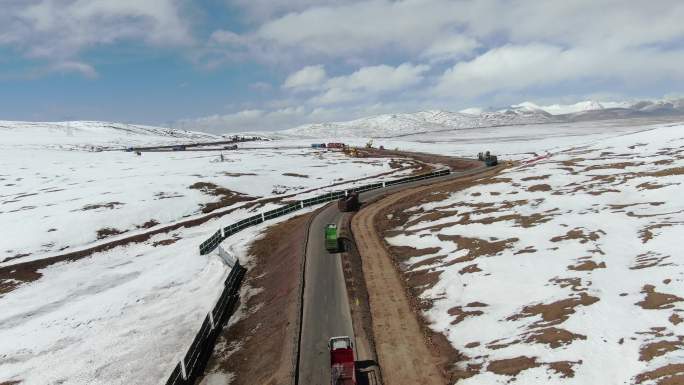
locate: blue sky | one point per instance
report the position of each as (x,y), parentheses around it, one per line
(224,65)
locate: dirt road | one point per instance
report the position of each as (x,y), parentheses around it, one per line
(402,354)
(400,342)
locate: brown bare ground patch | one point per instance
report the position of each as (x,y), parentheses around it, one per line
(148,224)
(477,247)
(460,314)
(575,283)
(657,301)
(554,337)
(165,242)
(564,368)
(294,174)
(649,259)
(587,266)
(540,177)
(578,233)
(556,312)
(646,233)
(618,166)
(528,249)
(108,232)
(512,366)
(109,205)
(656,349)
(539,187)
(403,253)
(470,269)
(675,319)
(652,186)
(671,374)
(227,197)
(268,334)
(238,174)
(666,172)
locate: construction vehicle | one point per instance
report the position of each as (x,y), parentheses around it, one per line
(318,145)
(342,367)
(331,240)
(349,203)
(335,145)
(353,152)
(489,159)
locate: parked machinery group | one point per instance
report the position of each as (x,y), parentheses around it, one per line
(489,159)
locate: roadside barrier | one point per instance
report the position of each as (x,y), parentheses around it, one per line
(194,361)
(212,242)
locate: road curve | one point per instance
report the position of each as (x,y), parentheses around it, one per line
(325,306)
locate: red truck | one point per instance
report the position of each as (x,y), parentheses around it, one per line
(334,145)
(342,368)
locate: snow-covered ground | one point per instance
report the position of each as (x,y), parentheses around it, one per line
(128,314)
(566,270)
(56,199)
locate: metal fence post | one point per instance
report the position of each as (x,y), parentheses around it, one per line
(183,372)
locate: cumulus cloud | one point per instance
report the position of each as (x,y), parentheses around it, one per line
(309,77)
(450,47)
(520,67)
(370,81)
(353,28)
(58,30)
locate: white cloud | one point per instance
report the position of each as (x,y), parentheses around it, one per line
(58,30)
(520,67)
(77,67)
(222,36)
(353,28)
(370,81)
(307,78)
(450,47)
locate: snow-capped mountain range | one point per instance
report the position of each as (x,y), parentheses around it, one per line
(393,125)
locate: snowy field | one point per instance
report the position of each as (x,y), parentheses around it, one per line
(55,199)
(127,315)
(564,271)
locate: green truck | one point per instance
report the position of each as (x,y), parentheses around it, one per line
(331,241)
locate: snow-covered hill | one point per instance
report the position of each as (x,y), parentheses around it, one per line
(392,125)
(397,125)
(91,133)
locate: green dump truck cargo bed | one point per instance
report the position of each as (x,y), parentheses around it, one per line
(331,242)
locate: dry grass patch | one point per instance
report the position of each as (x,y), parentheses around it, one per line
(553,337)
(656,349)
(512,366)
(108,232)
(556,312)
(657,301)
(227,197)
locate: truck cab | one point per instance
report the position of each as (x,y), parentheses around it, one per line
(331,241)
(342,366)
